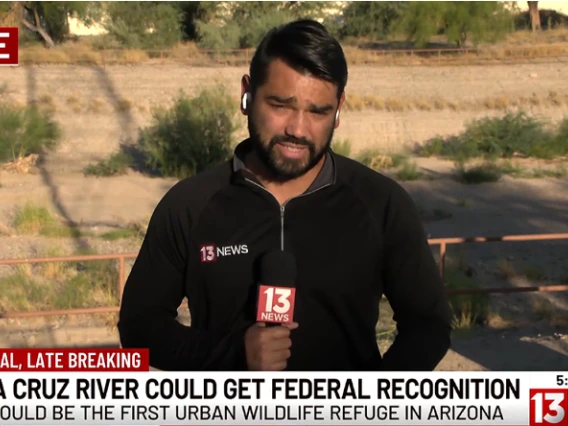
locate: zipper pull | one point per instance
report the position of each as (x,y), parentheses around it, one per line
(282,209)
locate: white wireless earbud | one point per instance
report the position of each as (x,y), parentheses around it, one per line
(336,115)
(246,100)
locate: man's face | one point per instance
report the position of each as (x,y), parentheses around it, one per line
(292,121)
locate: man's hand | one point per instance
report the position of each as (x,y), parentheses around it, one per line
(268,348)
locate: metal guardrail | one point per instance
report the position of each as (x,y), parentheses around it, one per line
(79,258)
(442,242)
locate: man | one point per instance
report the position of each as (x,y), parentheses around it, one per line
(355,234)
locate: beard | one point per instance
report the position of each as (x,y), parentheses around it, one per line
(281,168)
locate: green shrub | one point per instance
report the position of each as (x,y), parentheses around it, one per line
(215,37)
(500,137)
(409,171)
(115,165)
(481,173)
(26,131)
(241,33)
(254,31)
(342,147)
(62,285)
(554,146)
(31,219)
(194,134)
(469,309)
(127,23)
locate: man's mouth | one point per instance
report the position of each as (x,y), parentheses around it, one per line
(292,147)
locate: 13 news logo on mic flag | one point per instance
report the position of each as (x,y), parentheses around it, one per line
(276,304)
(117,387)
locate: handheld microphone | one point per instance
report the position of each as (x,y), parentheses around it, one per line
(276,291)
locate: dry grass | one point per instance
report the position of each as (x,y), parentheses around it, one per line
(31,219)
(558,35)
(6,231)
(356,102)
(519,46)
(21,165)
(62,285)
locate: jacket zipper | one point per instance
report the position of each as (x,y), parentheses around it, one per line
(283,206)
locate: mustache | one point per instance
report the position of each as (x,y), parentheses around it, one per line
(291,139)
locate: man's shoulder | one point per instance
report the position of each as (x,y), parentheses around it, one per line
(386,199)
(366,182)
(192,193)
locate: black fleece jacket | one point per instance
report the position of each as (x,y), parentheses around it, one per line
(356,235)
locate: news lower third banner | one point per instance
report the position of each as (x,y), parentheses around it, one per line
(115,387)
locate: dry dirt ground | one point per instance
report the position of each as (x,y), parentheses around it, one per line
(102,107)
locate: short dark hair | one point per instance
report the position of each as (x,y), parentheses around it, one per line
(306,46)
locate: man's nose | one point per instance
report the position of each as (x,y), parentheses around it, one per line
(297,125)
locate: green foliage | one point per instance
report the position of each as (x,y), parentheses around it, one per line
(556,145)
(342,147)
(144,25)
(194,134)
(4,7)
(371,19)
(54,15)
(408,171)
(115,165)
(26,131)
(250,21)
(62,285)
(193,12)
(215,37)
(252,34)
(31,219)
(459,21)
(469,309)
(502,137)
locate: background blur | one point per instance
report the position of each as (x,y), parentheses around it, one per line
(464,103)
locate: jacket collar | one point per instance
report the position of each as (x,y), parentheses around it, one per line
(326,176)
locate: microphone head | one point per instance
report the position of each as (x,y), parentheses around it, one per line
(278,268)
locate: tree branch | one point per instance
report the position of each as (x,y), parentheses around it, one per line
(37,27)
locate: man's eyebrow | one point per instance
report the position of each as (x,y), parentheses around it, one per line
(292,99)
(279,99)
(321,108)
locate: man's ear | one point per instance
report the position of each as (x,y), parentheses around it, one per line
(245,94)
(338,111)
